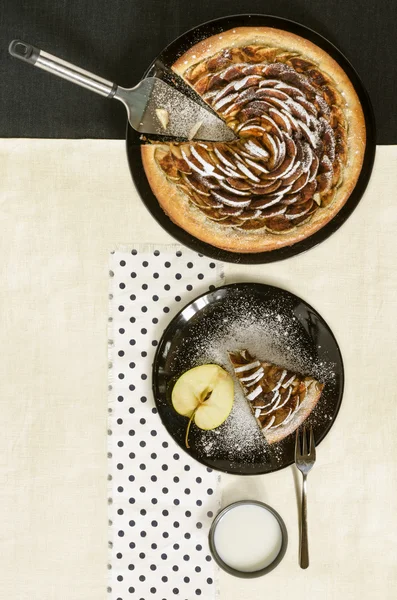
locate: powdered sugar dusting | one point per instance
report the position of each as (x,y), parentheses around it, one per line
(274,334)
(183,113)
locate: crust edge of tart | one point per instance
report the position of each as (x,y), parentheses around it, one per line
(305,409)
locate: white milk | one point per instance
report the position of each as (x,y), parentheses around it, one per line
(248,537)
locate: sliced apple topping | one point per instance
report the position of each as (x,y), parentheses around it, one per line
(205,395)
(194,130)
(163,116)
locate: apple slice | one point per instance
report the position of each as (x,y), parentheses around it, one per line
(205,394)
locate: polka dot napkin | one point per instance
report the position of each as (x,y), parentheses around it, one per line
(161,501)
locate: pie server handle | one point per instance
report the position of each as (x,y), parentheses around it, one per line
(43,60)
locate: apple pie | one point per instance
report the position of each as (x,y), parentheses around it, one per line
(299,150)
(279,399)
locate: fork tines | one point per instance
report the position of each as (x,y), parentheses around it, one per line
(301,448)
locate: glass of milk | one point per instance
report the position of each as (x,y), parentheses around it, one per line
(248,538)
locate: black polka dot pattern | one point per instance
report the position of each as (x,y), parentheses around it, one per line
(161,503)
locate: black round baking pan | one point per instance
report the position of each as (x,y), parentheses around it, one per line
(161,67)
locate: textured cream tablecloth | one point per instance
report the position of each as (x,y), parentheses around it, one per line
(64,206)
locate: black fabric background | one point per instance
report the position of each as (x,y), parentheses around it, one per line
(117,39)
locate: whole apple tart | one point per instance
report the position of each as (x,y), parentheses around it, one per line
(299,150)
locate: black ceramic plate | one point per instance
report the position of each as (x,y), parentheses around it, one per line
(160,67)
(271,323)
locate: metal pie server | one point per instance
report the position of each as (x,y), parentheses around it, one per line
(180,114)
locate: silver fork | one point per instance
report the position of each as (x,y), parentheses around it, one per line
(304,461)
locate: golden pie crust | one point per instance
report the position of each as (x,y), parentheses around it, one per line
(250,230)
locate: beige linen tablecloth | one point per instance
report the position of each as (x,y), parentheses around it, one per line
(64,206)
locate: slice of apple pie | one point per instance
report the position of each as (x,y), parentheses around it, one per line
(280,399)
